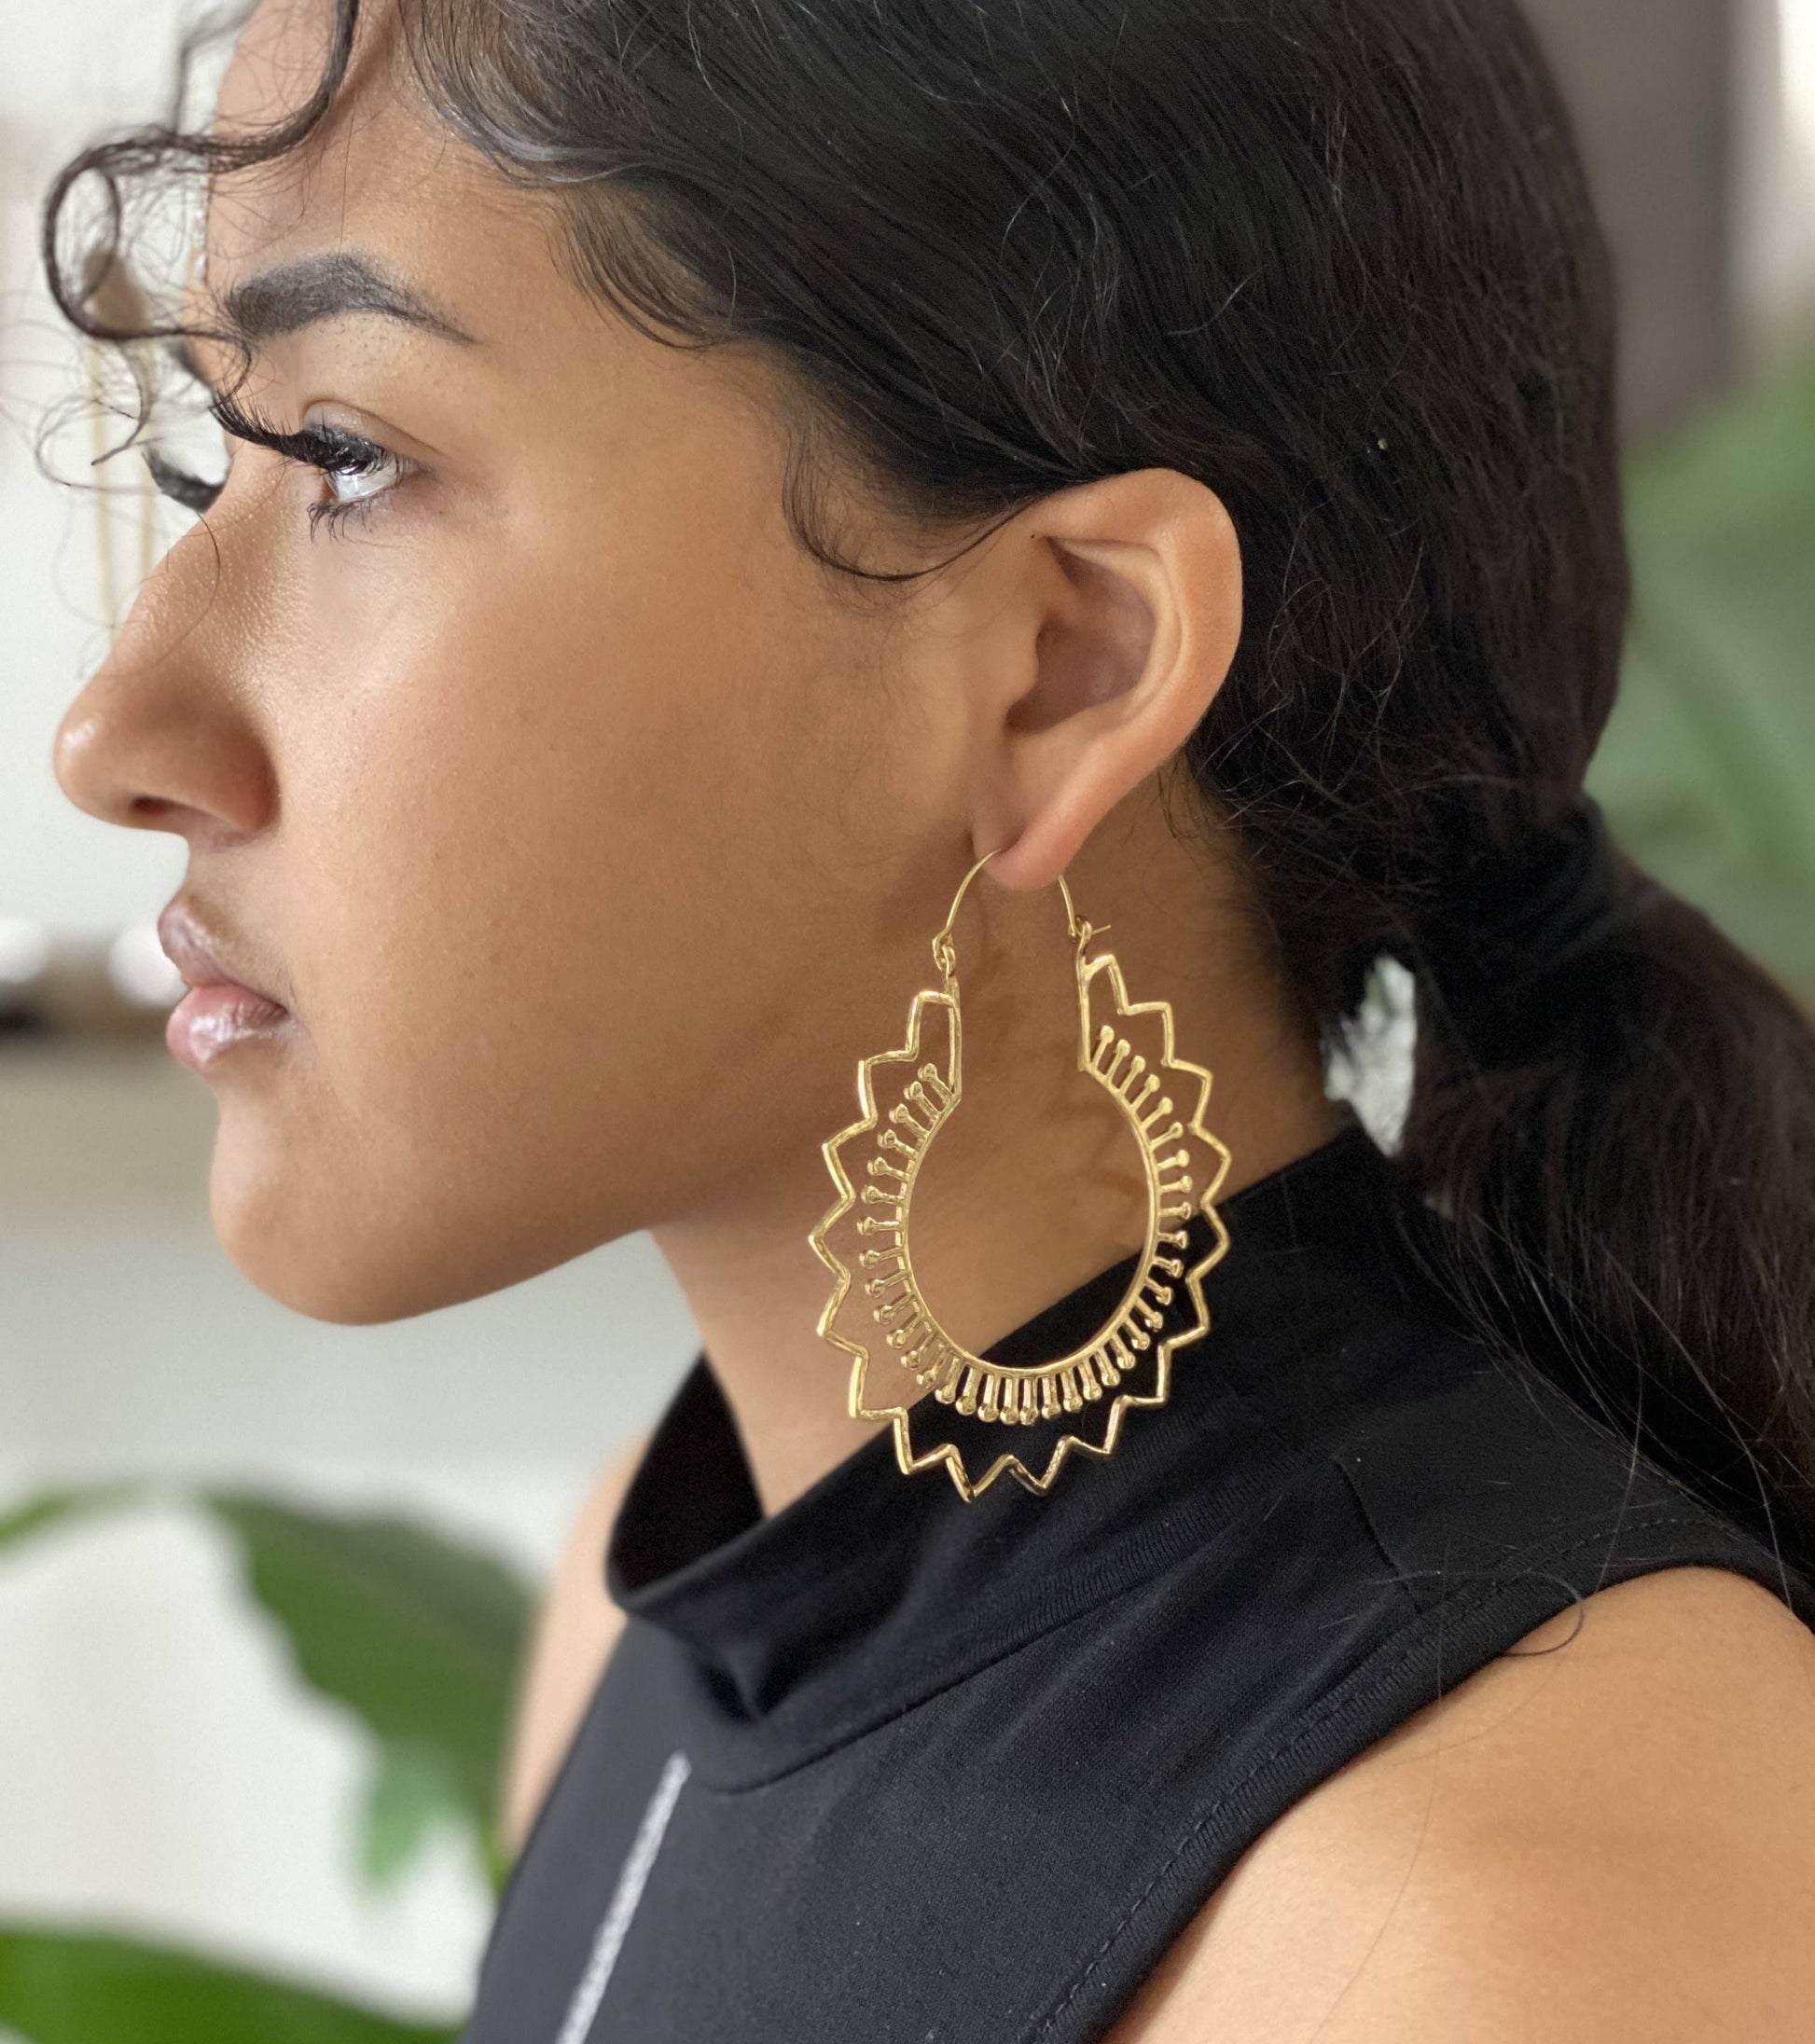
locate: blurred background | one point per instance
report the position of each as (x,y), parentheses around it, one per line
(263,1582)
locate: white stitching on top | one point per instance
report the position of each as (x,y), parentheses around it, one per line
(616,1923)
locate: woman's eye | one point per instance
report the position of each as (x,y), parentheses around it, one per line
(355,473)
(359,481)
(349,473)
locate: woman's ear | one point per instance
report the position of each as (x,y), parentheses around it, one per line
(1108,617)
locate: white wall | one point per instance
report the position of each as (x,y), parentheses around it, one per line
(67,69)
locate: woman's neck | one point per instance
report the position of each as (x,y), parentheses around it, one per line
(1018,1203)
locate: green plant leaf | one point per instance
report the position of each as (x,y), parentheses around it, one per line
(417,1632)
(411,1794)
(1707,769)
(78,1987)
(47,1509)
(419,1635)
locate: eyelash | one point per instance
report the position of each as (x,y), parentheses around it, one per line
(327,450)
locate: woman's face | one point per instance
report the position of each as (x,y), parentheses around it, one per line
(544,785)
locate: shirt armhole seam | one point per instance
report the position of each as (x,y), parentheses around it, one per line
(1474,1594)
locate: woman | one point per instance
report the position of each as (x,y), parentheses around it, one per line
(706,477)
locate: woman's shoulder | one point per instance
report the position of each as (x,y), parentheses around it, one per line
(577,1629)
(1478,1477)
(1607,1832)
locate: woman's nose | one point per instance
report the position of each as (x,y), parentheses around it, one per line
(159,740)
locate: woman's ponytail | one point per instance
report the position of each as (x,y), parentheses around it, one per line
(1609,1164)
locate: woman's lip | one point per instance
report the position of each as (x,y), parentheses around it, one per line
(196,952)
(213,1019)
(220,1011)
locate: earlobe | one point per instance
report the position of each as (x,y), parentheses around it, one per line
(1135,608)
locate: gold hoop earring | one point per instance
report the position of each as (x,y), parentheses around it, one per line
(906,1096)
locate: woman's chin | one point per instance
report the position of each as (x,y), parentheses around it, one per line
(317,1249)
(343,1253)
(347,1291)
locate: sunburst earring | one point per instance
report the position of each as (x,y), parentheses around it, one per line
(877,1313)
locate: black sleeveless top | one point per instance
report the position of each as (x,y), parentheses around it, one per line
(892,1768)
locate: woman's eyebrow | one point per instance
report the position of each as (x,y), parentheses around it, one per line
(327,287)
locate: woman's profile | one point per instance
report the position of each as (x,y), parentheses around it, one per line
(760,534)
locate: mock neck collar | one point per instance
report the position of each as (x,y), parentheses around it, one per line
(870,1589)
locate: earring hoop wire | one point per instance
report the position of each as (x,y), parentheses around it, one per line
(943,956)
